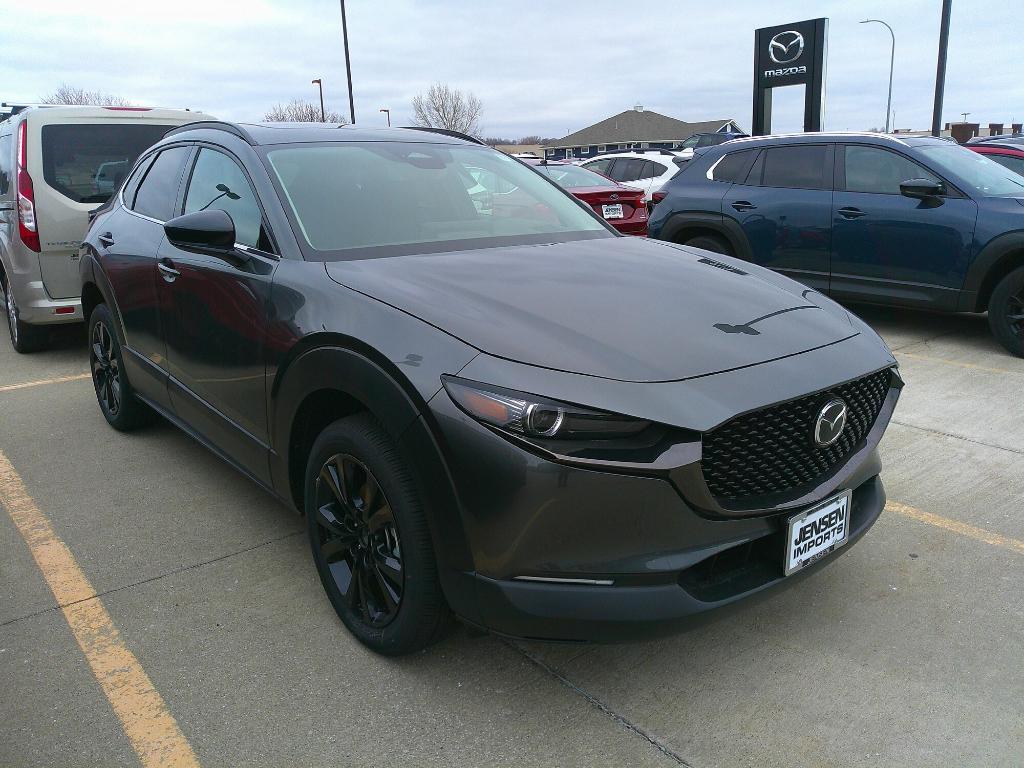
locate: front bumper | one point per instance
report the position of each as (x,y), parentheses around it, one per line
(651,560)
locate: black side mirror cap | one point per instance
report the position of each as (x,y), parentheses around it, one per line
(209,231)
(922,189)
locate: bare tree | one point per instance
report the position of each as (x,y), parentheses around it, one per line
(300,111)
(448,108)
(530,140)
(69,94)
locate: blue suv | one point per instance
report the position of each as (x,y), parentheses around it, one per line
(914,222)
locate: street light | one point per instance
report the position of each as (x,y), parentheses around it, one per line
(388,112)
(892,60)
(965,114)
(323,117)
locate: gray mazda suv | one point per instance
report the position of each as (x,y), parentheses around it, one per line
(484,400)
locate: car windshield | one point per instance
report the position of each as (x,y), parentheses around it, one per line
(358,199)
(87,163)
(573,177)
(985,177)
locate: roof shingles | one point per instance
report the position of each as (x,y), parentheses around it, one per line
(634,125)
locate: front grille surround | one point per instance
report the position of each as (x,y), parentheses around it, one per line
(770,453)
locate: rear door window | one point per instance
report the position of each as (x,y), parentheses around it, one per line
(601,166)
(800,166)
(159,189)
(87,163)
(627,169)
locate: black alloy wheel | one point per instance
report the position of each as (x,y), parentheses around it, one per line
(106,370)
(114,392)
(358,540)
(371,543)
(1006,312)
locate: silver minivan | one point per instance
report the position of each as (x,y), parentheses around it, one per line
(56,165)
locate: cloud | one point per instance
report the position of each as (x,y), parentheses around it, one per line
(539,67)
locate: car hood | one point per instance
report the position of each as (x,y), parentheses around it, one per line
(628,309)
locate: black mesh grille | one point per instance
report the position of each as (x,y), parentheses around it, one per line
(771,451)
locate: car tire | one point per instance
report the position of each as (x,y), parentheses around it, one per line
(24,337)
(1006,312)
(370,540)
(710,243)
(114,392)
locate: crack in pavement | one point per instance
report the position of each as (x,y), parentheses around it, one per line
(172,572)
(599,705)
(974,440)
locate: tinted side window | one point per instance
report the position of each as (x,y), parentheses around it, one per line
(159,189)
(601,166)
(5,164)
(627,169)
(658,168)
(733,166)
(132,184)
(647,170)
(870,169)
(795,167)
(218,183)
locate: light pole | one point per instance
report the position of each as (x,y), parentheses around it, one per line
(940,66)
(892,61)
(965,114)
(388,113)
(348,64)
(319,84)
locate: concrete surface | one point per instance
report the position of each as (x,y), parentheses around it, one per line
(908,651)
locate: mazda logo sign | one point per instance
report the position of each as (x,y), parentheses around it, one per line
(830,423)
(786,47)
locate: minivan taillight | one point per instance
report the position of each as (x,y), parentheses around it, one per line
(27,226)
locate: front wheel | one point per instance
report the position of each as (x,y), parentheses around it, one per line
(370,540)
(114,393)
(1006,312)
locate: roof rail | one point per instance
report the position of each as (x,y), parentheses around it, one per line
(446,132)
(218,125)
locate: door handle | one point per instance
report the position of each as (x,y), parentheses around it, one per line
(743,205)
(106,239)
(166,267)
(851,213)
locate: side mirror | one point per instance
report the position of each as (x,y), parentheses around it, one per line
(922,189)
(209,231)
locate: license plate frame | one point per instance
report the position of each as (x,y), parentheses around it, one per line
(613,211)
(799,538)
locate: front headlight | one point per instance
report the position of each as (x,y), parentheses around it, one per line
(536,417)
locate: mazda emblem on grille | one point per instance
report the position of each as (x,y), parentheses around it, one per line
(831,422)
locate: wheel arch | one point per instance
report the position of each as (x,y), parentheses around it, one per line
(996,260)
(687,224)
(330,376)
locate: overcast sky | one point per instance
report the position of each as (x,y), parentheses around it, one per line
(540,67)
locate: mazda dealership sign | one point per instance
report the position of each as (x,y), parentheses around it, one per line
(790,54)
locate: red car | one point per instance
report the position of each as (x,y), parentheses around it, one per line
(622,207)
(1010,155)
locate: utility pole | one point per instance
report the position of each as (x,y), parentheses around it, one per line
(388,113)
(940,69)
(348,64)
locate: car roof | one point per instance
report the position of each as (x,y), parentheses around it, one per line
(55,113)
(1002,145)
(835,136)
(649,154)
(262,134)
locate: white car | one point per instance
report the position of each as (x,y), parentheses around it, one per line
(647,171)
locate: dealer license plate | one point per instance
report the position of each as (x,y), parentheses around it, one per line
(612,211)
(813,534)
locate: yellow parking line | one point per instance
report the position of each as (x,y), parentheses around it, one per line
(978,534)
(150,727)
(957,363)
(40,382)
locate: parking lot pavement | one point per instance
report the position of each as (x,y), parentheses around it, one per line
(907,651)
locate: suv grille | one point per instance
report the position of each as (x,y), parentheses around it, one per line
(771,451)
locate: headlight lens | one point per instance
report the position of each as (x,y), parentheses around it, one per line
(537,417)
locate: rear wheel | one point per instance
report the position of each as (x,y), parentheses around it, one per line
(711,243)
(370,540)
(1006,312)
(114,393)
(24,337)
